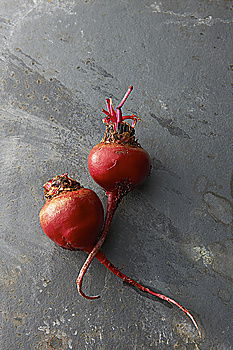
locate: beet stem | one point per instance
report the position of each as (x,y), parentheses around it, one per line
(111,109)
(103,260)
(118,116)
(126,96)
(112,203)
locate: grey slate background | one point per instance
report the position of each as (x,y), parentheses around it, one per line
(59,61)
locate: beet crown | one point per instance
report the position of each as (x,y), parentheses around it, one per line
(117,129)
(59,184)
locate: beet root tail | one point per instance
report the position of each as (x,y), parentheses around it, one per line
(103,260)
(113,201)
(79,287)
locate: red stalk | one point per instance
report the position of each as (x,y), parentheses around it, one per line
(118,116)
(111,107)
(126,96)
(103,260)
(118,109)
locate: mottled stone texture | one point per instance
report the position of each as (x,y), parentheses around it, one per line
(59,61)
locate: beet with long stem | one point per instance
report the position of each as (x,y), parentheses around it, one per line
(118,164)
(72,217)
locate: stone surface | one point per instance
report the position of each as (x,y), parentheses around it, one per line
(59,61)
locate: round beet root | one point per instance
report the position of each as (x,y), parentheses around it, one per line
(72,215)
(117,165)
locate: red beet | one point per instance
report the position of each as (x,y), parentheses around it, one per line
(118,164)
(72,215)
(118,167)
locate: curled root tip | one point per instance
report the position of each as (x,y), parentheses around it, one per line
(92,297)
(79,287)
(88,296)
